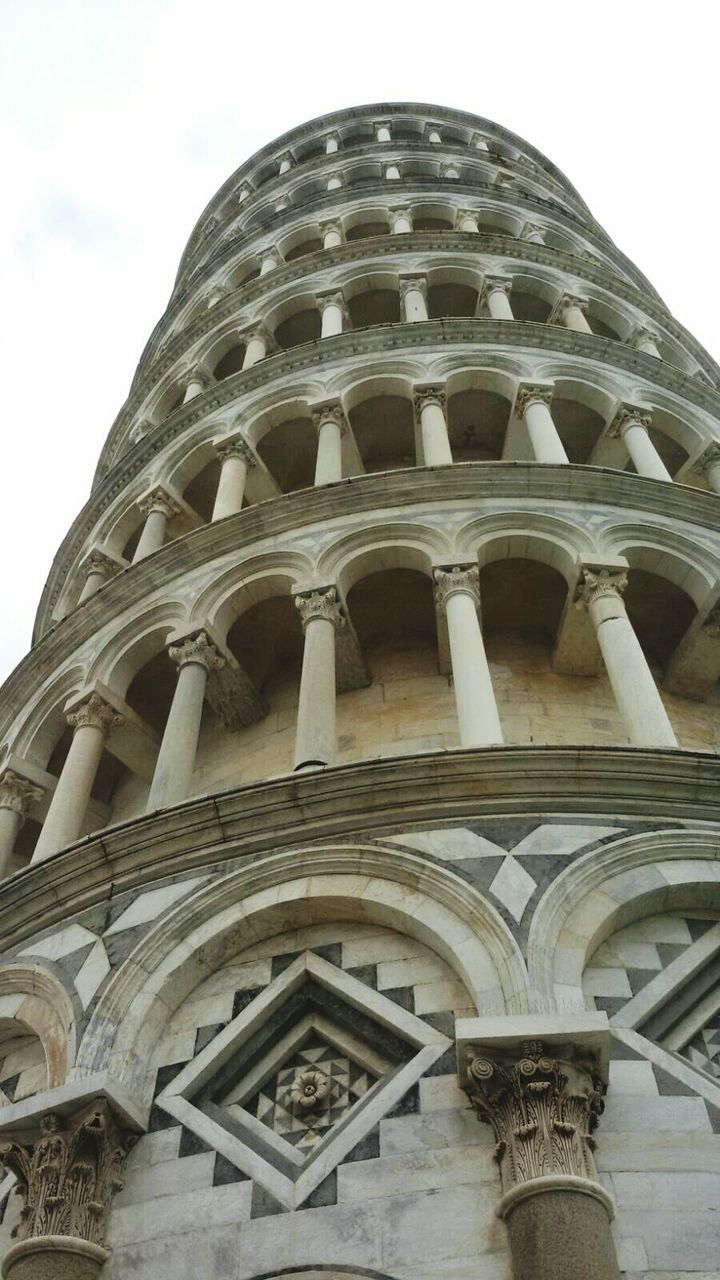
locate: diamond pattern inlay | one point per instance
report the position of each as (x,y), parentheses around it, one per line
(309,1095)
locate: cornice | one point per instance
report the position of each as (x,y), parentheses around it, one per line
(357,801)
(331,121)
(521,251)
(469,481)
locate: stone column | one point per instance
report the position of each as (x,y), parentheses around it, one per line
(708,465)
(320,615)
(400,221)
(17,797)
(532,234)
(432,134)
(332,234)
(66,1180)
(257,342)
(467,220)
(450,171)
(570,311)
(216,294)
(92,722)
(479,143)
(236,459)
(645,340)
(331,425)
(97,569)
(382,132)
(430,407)
(392,172)
(286,164)
(631,424)
(158,507)
(458,596)
(544,1106)
(533,406)
(334,182)
(333,313)
(271,260)
(332,143)
(196,658)
(494,293)
(636,694)
(197,381)
(413,298)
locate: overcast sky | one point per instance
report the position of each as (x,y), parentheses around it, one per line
(120,118)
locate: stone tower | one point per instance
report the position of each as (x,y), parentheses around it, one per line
(359,794)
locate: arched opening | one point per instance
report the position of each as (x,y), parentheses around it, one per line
(376,306)
(312,245)
(579,427)
(451,299)
(201,492)
(289,452)
(231,362)
(365,230)
(385,432)
(477,423)
(529,306)
(23,1065)
(303,326)
(660,612)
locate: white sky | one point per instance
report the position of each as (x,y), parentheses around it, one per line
(120,118)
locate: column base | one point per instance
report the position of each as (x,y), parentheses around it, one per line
(559,1229)
(54,1258)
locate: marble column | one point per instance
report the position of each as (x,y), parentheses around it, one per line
(196,657)
(570,312)
(532,234)
(636,694)
(91,723)
(332,234)
(17,797)
(458,596)
(494,294)
(544,1105)
(197,381)
(158,507)
(400,221)
(432,134)
(321,615)
(382,132)
(533,407)
(334,182)
(333,313)
(257,343)
(236,459)
(413,298)
(430,409)
(467,220)
(479,143)
(708,465)
(630,425)
(215,295)
(646,341)
(270,261)
(98,568)
(331,425)
(392,172)
(450,171)
(332,143)
(286,164)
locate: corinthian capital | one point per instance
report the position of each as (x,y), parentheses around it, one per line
(429,395)
(413,284)
(594,584)
(532,393)
(197,648)
(709,458)
(494,284)
(158,499)
(333,298)
(463,578)
(331,411)
(628,415)
(543,1108)
(18,793)
(66,1180)
(98,562)
(236,447)
(95,713)
(563,304)
(320,604)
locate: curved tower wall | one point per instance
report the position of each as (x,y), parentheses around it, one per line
(363,772)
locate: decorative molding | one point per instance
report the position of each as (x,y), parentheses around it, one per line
(199,649)
(95,713)
(595,584)
(18,793)
(448,581)
(320,604)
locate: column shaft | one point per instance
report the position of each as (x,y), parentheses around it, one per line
(433,428)
(315,733)
(332,320)
(93,582)
(91,722)
(414,304)
(254,351)
(643,452)
(231,487)
(331,238)
(153,534)
(499,305)
(574,318)
(194,388)
(546,443)
(712,475)
(328,464)
(474,696)
(468,222)
(176,758)
(10,823)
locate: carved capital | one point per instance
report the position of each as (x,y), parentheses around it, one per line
(429,395)
(327,227)
(494,284)
(413,284)
(563,304)
(531,229)
(140,429)
(331,411)
(460,577)
(98,562)
(320,604)
(258,333)
(159,500)
(198,649)
(543,1108)
(462,214)
(243,191)
(643,335)
(18,793)
(95,713)
(449,171)
(333,298)
(628,415)
(68,1176)
(394,215)
(271,255)
(528,393)
(709,458)
(595,584)
(236,448)
(198,375)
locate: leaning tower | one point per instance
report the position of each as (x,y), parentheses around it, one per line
(358,797)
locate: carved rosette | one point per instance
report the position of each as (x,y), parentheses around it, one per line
(95,713)
(320,604)
(529,394)
(67,1178)
(198,649)
(628,415)
(543,1110)
(18,793)
(465,578)
(426,396)
(309,1089)
(159,500)
(236,448)
(330,412)
(593,586)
